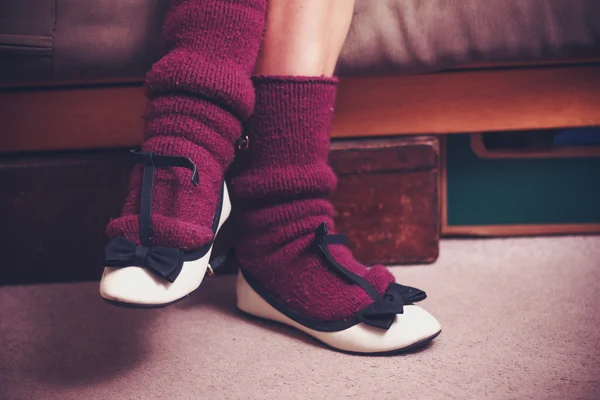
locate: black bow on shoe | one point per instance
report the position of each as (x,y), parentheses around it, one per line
(409,294)
(166,262)
(382,312)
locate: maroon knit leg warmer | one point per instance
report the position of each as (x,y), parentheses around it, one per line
(199,94)
(280,187)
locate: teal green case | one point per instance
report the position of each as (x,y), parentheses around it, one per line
(519,191)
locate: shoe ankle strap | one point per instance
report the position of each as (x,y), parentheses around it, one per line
(151,161)
(323,239)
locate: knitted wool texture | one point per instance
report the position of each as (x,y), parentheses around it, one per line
(199,94)
(280,187)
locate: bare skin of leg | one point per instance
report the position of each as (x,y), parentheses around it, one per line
(304,37)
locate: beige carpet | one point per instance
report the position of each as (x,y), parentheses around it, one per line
(520,317)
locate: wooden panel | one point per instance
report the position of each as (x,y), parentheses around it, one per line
(443,188)
(520,230)
(66,119)
(479,148)
(451,102)
(587,57)
(469,101)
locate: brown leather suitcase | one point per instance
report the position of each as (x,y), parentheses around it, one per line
(54,206)
(387,198)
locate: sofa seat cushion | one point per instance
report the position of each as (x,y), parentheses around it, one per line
(414,36)
(117,40)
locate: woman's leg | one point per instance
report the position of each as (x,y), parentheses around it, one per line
(304,37)
(199,94)
(282,182)
(293,267)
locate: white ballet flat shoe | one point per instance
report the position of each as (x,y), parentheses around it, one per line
(391,324)
(149,277)
(413,328)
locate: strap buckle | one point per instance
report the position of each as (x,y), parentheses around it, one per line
(242,143)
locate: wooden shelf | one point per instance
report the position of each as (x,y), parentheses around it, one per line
(470,101)
(450,102)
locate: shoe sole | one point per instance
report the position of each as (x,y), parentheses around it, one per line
(137,306)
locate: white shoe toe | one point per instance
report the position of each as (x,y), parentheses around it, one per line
(138,286)
(412,327)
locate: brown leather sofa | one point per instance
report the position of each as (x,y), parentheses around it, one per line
(94,56)
(71,76)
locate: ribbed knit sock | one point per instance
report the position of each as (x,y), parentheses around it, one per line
(199,93)
(280,187)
